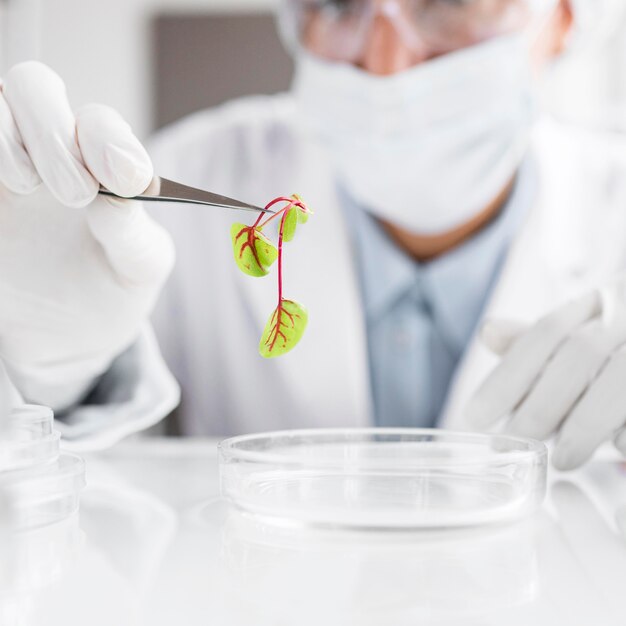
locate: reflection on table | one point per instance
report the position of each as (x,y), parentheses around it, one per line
(154,545)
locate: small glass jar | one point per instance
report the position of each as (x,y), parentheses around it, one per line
(28,438)
(39,484)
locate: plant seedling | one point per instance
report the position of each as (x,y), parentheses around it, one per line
(255,253)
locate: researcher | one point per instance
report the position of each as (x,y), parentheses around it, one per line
(464,267)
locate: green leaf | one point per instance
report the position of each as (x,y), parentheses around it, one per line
(303,216)
(284,329)
(289,226)
(254,252)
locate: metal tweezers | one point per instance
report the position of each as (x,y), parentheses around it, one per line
(164,190)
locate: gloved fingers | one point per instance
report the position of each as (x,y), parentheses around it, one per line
(111,151)
(598,415)
(17,172)
(499,335)
(565,377)
(521,366)
(38,102)
(139,250)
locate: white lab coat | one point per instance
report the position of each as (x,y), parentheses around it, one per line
(211,316)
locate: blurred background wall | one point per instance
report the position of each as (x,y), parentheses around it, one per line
(155,60)
(107,50)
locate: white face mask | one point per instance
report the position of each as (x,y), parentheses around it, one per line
(428,148)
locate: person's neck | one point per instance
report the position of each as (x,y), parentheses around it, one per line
(427,247)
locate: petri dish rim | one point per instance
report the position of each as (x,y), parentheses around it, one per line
(229,450)
(68,468)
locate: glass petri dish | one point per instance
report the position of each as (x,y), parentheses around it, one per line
(43,494)
(383,478)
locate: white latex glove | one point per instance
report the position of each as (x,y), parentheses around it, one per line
(79,272)
(565,374)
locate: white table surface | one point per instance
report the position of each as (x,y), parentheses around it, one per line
(153,545)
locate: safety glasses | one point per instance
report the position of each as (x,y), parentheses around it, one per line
(338,29)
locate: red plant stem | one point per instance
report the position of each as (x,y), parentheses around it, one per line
(279,308)
(284,210)
(277,214)
(276,200)
(269,206)
(291,203)
(280,263)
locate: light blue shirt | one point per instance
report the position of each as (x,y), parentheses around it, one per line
(420,317)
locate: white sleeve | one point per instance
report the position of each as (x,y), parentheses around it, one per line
(135,393)
(138,390)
